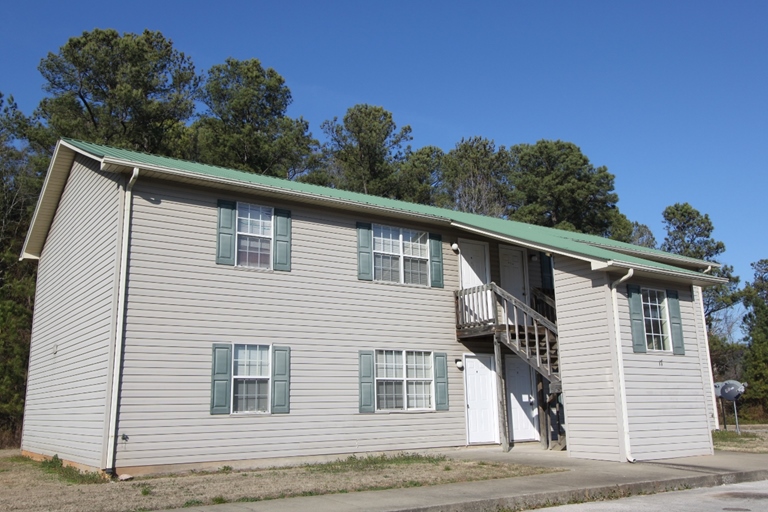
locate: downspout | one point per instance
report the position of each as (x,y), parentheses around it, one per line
(120,323)
(620,358)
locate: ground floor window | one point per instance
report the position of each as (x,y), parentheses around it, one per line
(403,380)
(250,378)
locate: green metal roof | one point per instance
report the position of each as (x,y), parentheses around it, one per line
(590,246)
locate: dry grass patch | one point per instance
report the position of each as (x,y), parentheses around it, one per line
(30,486)
(751,440)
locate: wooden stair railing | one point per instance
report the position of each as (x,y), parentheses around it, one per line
(525,331)
(543,304)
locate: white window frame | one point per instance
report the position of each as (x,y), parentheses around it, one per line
(234,378)
(401,255)
(664,321)
(405,380)
(239,233)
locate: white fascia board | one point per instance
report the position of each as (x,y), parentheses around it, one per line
(42,218)
(672,259)
(698,279)
(528,244)
(340,203)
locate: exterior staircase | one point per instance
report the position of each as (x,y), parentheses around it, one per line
(490,310)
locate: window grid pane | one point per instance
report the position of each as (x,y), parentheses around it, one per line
(389,394)
(386,268)
(415,271)
(254,220)
(251,361)
(415,243)
(386,239)
(655,319)
(251,395)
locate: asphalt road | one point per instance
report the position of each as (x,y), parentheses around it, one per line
(746,497)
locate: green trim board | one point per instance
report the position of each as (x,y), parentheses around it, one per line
(589,247)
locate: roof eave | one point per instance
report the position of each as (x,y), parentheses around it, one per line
(525,243)
(53,186)
(698,279)
(115,164)
(660,256)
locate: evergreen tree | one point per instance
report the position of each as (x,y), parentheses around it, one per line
(363,152)
(756,327)
(20,183)
(554,184)
(246,127)
(132,91)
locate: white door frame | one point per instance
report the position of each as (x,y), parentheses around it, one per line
(487,258)
(526,284)
(495,381)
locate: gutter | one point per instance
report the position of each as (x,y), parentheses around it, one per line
(689,276)
(120,322)
(620,359)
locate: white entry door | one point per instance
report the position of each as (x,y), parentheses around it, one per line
(482,410)
(474,263)
(513,276)
(521,397)
(474,269)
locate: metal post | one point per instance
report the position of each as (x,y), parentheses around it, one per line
(736,416)
(722,407)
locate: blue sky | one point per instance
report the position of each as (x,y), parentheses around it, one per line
(671,96)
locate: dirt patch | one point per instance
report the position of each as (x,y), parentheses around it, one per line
(753,439)
(27,487)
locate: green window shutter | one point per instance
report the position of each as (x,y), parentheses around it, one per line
(676,323)
(281,380)
(435,260)
(221,378)
(547,276)
(367,382)
(282,250)
(441,381)
(364,252)
(636,318)
(225,237)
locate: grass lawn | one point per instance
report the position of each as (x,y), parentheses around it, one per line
(753,439)
(35,486)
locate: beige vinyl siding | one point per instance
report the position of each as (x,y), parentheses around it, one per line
(666,394)
(587,365)
(180,302)
(69,354)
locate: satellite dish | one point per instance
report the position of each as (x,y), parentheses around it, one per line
(732,390)
(718,388)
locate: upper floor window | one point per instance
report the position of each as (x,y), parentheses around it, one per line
(400,255)
(253,236)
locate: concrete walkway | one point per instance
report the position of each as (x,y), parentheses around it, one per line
(583,480)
